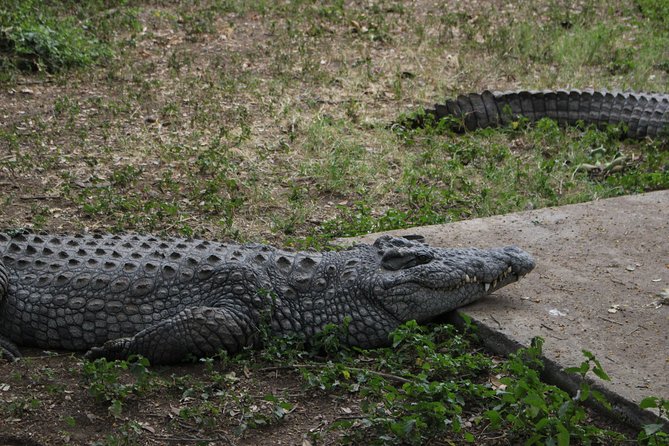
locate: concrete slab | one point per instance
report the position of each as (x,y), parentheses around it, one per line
(600,268)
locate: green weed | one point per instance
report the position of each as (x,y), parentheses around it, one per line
(542,413)
(19,407)
(655,434)
(36,38)
(274,410)
(127,434)
(434,386)
(656,11)
(110,382)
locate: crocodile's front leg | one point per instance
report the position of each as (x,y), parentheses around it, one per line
(194,332)
(7,349)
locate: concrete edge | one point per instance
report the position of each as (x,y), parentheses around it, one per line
(622,409)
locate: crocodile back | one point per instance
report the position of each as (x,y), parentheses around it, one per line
(75,292)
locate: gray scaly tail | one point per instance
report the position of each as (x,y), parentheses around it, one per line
(643,114)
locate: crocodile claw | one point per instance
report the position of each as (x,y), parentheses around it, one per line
(114,349)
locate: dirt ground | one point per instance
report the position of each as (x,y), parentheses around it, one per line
(51,407)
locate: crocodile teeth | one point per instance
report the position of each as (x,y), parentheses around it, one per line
(467,279)
(509,269)
(494,283)
(487,286)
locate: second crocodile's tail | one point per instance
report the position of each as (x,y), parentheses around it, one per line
(643,114)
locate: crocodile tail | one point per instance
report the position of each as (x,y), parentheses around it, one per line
(643,114)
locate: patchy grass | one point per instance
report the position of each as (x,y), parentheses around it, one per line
(252,120)
(53,38)
(274,121)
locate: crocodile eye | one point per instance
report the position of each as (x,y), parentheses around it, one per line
(394,259)
(422,259)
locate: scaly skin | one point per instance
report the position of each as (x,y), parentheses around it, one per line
(643,114)
(172,299)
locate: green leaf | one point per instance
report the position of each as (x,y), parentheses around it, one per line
(285,405)
(588,355)
(537,343)
(601,399)
(404,427)
(116,408)
(652,429)
(564,408)
(541,424)
(562,435)
(494,418)
(342,424)
(649,402)
(469,437)
(599,371)
(581,370)
(535,400)
(271,398)
(537,439)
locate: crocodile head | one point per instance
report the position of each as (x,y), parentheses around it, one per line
(416,281)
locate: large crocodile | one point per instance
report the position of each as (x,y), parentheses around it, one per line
(170,299)
(642,114)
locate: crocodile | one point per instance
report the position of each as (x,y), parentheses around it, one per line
(641,114)
(171,299)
